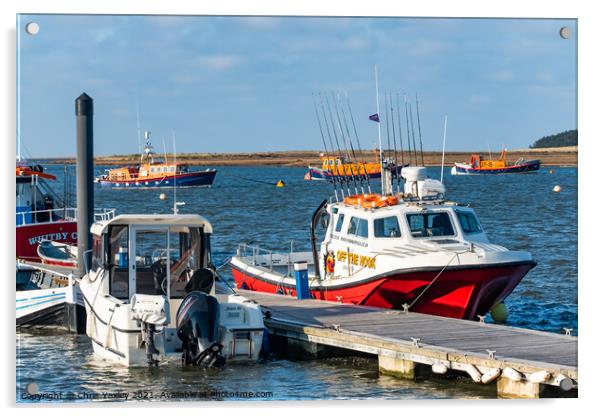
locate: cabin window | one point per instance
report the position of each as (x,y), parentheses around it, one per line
(186,258)
(340,219)
(152,170)
(387,227)
(358,227)
(119,282)
(432,224)
(468,222)
(98,258)
(153,257)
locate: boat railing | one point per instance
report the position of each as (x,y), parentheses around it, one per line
(258,256)
(46,215)
(104,214)
(59,214)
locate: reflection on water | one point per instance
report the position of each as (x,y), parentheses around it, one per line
(518,211)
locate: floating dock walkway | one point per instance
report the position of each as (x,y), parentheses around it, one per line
(522,362)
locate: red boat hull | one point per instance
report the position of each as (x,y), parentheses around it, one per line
(28,236)
(460,292)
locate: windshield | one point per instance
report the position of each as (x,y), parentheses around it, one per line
(432,224)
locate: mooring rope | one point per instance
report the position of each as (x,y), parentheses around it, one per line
(436,277)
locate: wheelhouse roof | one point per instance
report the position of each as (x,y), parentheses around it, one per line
(153,219)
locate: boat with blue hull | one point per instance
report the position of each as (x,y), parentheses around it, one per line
(478,166)
(155,173)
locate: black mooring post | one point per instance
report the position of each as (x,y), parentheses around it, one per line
(84,110)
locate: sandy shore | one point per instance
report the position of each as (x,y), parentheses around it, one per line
(557,156)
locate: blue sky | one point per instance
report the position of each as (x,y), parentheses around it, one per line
(243,84)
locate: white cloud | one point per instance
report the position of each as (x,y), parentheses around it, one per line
(479,99)
(103,33)
(220,61)
(502,75)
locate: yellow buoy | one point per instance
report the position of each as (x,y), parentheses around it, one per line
(280,184)
(557,188)
(162,196)
(499,312)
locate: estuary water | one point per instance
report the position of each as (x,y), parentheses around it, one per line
(520,212)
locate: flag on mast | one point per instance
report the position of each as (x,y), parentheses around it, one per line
(375,117)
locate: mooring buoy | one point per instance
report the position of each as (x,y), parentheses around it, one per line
(499,312)
(557,188)
(162,196)
(280,184)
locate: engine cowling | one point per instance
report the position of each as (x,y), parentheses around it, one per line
(198,328)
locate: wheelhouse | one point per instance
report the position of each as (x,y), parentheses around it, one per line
(150,255)
(404,223)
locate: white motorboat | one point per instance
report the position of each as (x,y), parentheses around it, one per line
(151,292)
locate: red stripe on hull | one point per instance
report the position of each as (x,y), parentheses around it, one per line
(28,236)
(459,293)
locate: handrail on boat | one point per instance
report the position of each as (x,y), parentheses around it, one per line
(51,215)
(254,251)
(104,214)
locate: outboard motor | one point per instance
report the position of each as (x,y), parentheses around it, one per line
(198,323)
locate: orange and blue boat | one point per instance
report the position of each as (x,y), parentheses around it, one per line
(153,172)
(335,167)
(478,166)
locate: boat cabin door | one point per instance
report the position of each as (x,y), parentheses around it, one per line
(149,260)
(164,258)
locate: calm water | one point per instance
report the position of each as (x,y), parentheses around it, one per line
(518,211)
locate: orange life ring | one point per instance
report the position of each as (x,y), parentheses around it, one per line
(371,200)
(353,199)
(378,201)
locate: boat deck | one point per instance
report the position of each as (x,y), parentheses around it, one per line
(517,358)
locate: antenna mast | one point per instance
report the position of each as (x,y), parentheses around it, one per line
(138,126)
(443,154)
(380,144)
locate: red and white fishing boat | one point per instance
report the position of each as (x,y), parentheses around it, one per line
(411,250)
(39,214)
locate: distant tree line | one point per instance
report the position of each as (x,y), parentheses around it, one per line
(566,138)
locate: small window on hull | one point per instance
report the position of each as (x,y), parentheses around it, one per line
(340,220)
(387,227)
(358,227)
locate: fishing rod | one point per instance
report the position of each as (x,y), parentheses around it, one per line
(387,122)
(400,139)
(353,175)
(335,174)
(328,159)
(388,135)
(395,166)
(336,138)
(359,147)
(413,134)
(419,130)
(405,99)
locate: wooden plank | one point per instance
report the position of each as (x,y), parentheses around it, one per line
(372,329)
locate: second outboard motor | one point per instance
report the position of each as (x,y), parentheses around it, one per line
(198,325)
